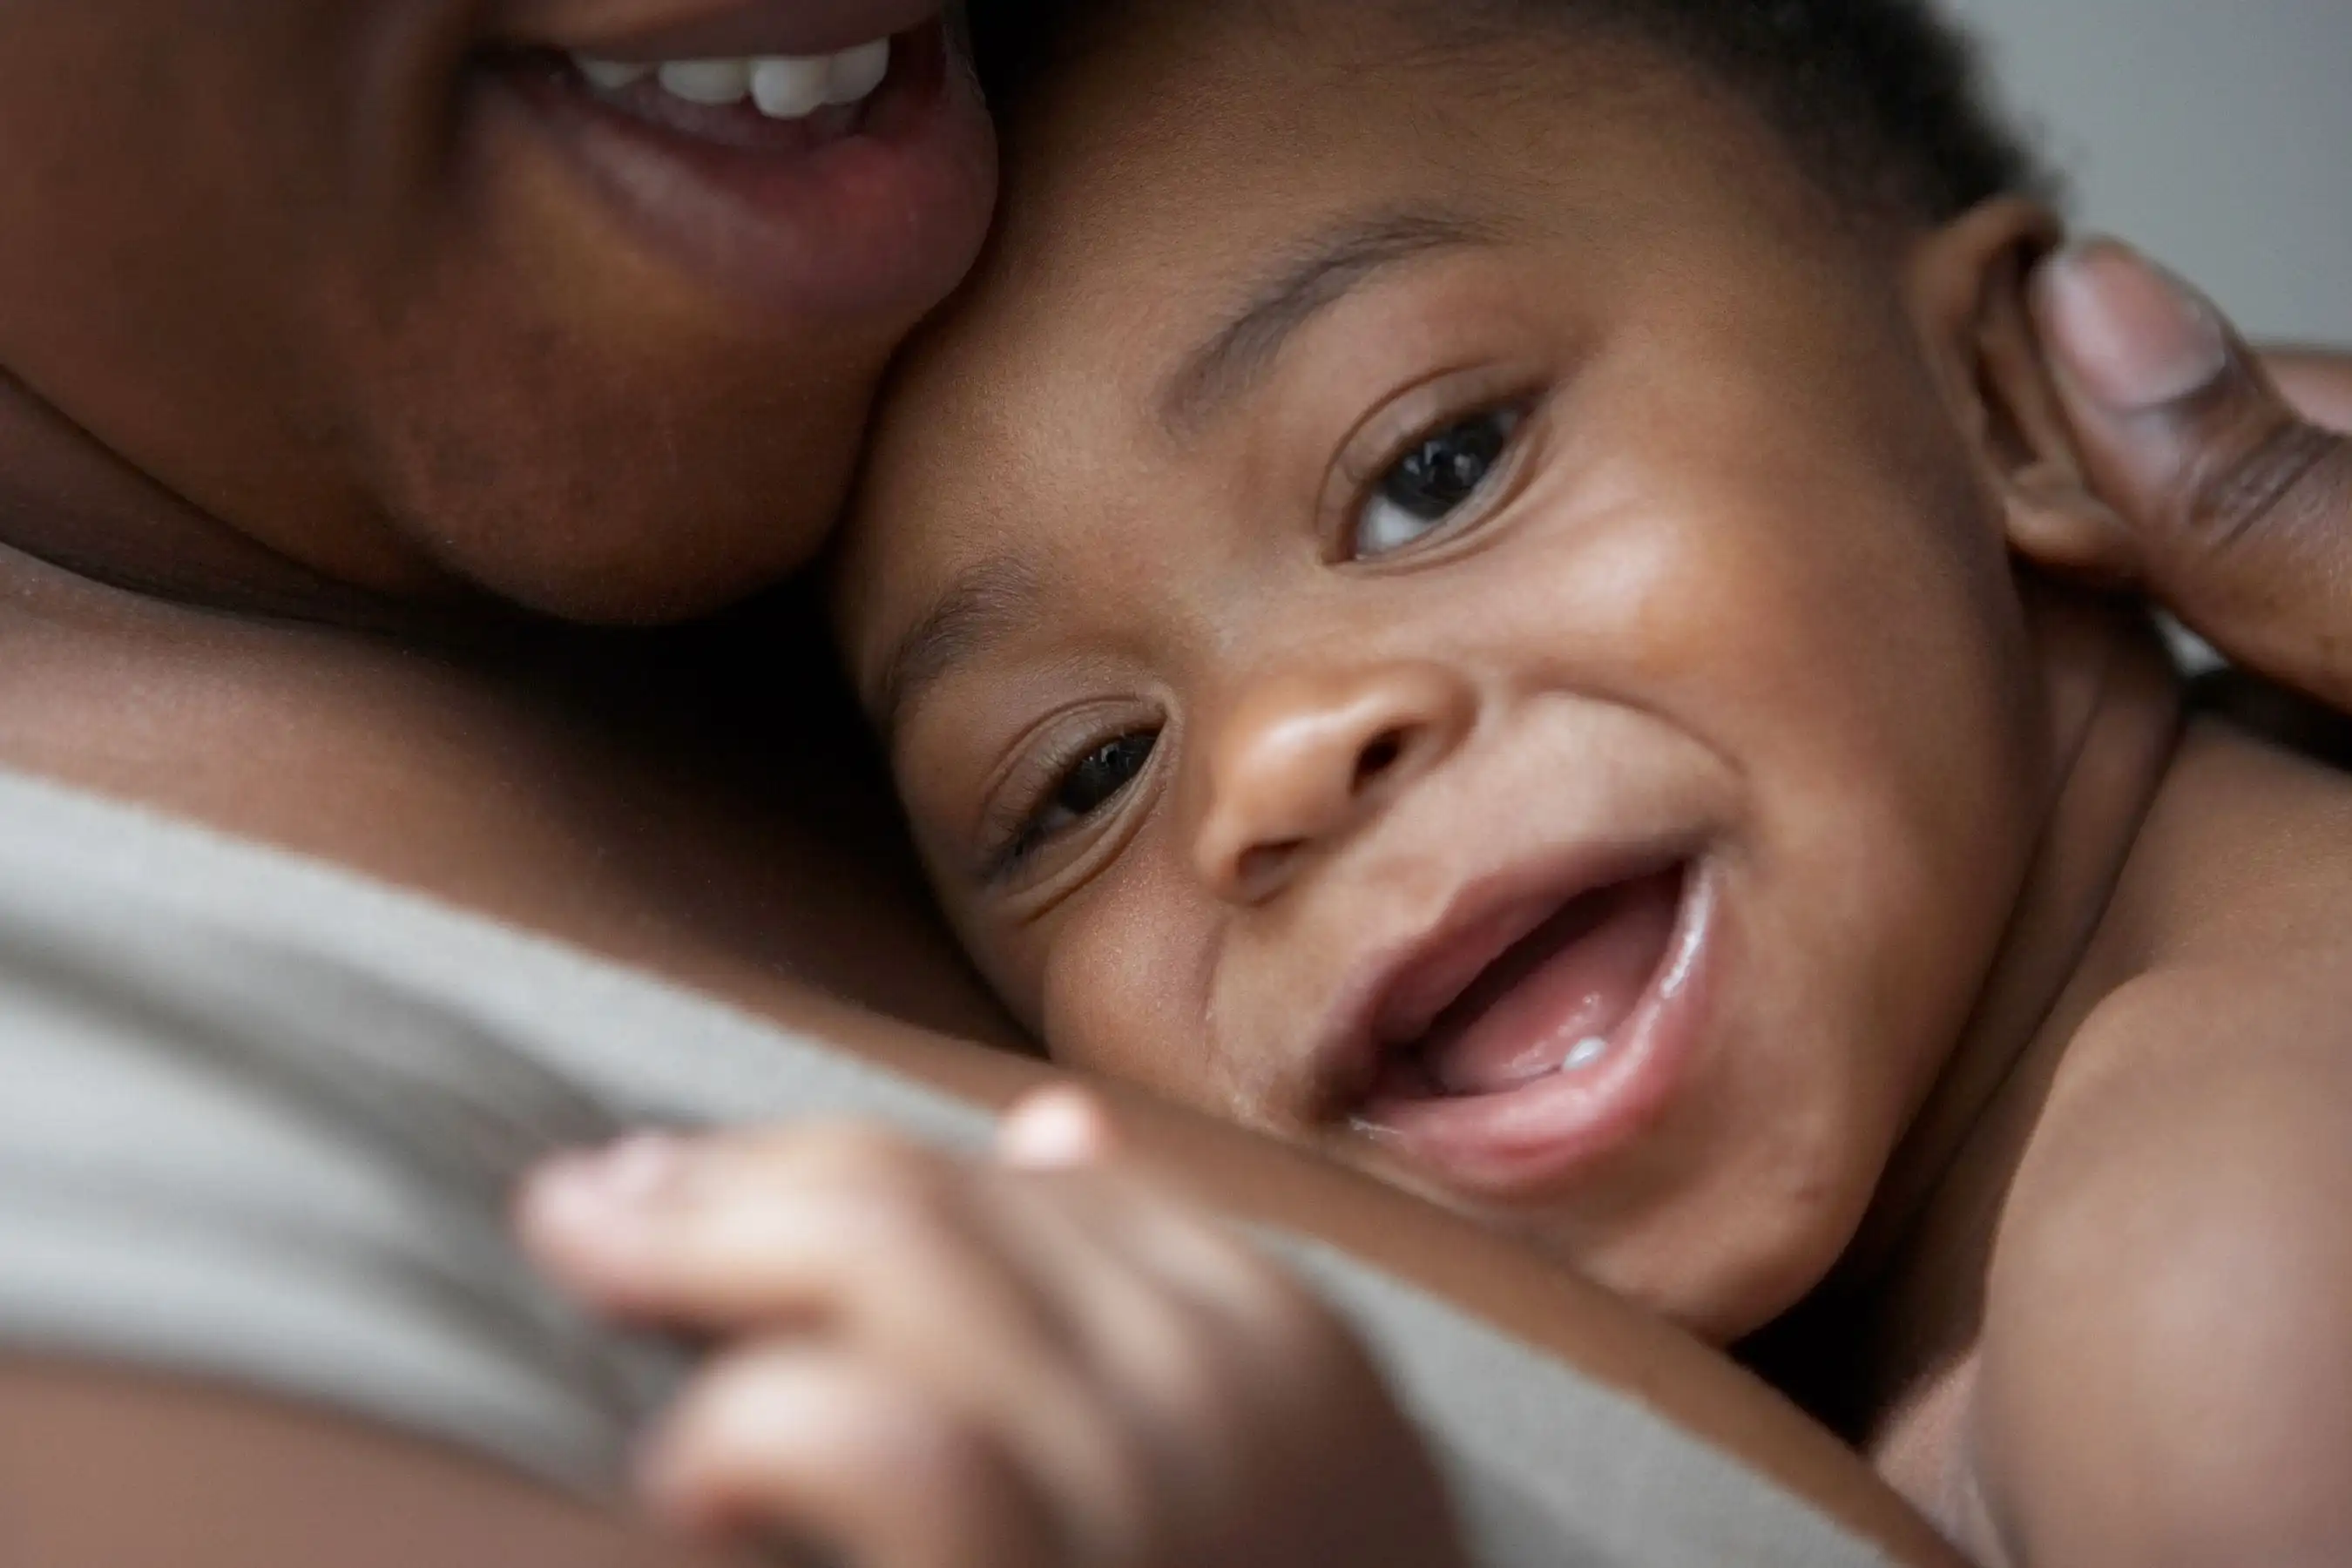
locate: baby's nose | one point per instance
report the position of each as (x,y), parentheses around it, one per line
(1304,760)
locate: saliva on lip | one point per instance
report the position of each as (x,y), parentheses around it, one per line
(1581,1057)
(1586,1053)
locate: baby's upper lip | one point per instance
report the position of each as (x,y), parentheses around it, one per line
(714,29)
(1396,993)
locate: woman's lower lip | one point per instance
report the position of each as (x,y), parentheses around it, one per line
(878,224)
(1535,1139)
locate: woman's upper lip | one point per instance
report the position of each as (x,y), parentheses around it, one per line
(712,29)
(1398,991)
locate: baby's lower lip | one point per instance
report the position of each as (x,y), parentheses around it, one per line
(1531,1135)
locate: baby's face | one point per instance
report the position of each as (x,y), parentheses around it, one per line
(1446,616)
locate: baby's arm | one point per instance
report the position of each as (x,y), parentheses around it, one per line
(2167,1350)
(932,1362)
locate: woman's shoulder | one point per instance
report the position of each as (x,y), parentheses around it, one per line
(102,1466)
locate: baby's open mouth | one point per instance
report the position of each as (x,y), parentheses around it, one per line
(1551,1002)
(1511,1053)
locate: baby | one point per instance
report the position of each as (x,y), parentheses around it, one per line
(1460,589)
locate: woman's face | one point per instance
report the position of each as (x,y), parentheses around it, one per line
(443,294)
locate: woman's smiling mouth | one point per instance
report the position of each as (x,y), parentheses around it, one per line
(851,180)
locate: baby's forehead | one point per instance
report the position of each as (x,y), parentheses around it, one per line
(935,618)
(1157,189)
(1165,223)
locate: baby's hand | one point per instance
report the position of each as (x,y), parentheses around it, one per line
(931,1361)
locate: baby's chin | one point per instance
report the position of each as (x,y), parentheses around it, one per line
(1675,1264)
(1721,1256)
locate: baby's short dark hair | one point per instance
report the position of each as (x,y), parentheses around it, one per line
(1884,101)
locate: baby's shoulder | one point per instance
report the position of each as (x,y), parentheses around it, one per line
(2222,973)
(2166,1370)
(2244,854)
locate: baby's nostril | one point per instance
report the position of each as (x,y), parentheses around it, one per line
(1262,865)
(1384,752)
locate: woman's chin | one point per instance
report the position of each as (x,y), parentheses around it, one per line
(654,565)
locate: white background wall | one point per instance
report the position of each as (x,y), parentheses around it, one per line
(2217,133)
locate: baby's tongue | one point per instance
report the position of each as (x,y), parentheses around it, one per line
(1566,987)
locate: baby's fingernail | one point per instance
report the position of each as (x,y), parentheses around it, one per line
(2129,332)
(1055,1129)
(635,1173)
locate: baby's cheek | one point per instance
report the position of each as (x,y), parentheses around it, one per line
(1124,989)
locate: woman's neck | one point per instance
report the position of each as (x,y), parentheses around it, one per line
(69,502)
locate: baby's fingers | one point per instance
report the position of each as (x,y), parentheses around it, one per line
(1055,1129)
(725,1235)
(849,1236)
(816,1445)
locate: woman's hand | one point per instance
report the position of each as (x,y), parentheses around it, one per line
(2232,495)
(928,1362)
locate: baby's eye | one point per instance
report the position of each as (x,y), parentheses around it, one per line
(1098,776)
(1091,782)
(1431,482)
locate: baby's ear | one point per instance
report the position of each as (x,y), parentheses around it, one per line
(1968,289)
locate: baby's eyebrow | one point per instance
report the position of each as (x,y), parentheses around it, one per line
(978,607)
(1323,272)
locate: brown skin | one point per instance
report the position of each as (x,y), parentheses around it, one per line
(2232,479)
(2188,1211)
(458,334)
(2028,1037)
(225,1478)
(2165,1286)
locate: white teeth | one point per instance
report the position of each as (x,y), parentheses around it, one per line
(1587,1052)
(708,82)
(613,75)
(783,86)
(792,88)
(857,72)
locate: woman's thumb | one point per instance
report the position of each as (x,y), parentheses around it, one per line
(2239,511)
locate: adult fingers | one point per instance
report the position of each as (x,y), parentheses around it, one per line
(2315,381)
(2235,510)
